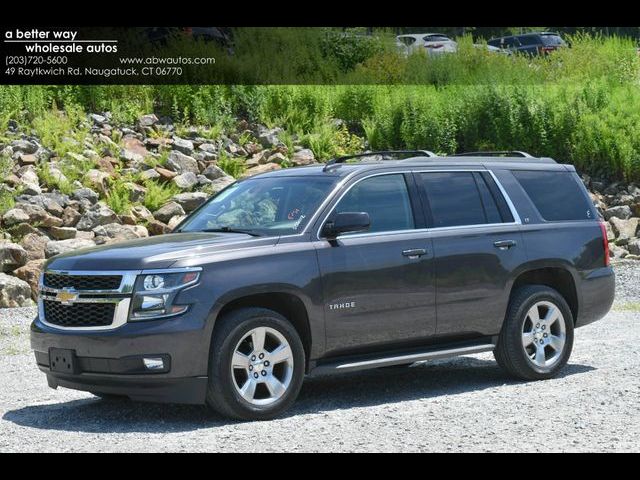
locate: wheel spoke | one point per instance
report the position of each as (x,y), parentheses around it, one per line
(552,316)
(540,358)
(556,342)
(240,360)
(248,390)
(257,338)
(276,388)
(527,339)
(280,354)
(534,314)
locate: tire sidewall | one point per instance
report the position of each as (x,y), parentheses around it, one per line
(221,361)
(551,296)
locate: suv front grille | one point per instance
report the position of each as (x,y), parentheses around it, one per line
(79,314)
(82,282)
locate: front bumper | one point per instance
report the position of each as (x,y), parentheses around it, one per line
(108,361)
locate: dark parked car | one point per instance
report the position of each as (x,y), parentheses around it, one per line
(332,268)
(540,43)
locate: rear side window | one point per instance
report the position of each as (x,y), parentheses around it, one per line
(552,40)
(436,38)
(529,40)
(462,198)
(385,198)
(556,195)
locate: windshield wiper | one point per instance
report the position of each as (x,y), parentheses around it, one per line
(233,230)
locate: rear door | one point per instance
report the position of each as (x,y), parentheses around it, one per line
(378,286)
(477,244)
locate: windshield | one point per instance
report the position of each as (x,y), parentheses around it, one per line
(262,206)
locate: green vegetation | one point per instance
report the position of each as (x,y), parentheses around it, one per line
(158,194)
(579,105)
(119,197)
(232,166)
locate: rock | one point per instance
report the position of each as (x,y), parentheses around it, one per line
(12,256)
(165,174)
(136,192)
(106,164)
(34,244)
(277,158)
(31,189)
(182,145)
(175,221)
(133,150)
(14,216)
(23,229)
(114,232)
(98,119)
(181,163)
(267,167)
(269,137)
(147,120)
(141,213)
(156,227)
(150,174)
(84,235)
(50,202)
(186,181)
(216,185)
(167,211)
(85,194)
(28,175)
(63,233)
(27,159)
(30,273)
(624,230)
(208,148)
(63,246)
(97,179)
(621,211)
(303,157)
(70,217)
(610,235)
(37,216)
(616,251)
(24,146)
(634,247)
(257,159)
(14,292)
(190,201)
(98,215)
(213,172)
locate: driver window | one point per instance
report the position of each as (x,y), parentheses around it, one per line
(385,198)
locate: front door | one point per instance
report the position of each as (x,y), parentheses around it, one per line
(378,286)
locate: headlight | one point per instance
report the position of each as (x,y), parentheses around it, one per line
(155,292)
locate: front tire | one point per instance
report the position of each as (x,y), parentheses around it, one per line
(257,365)
(537,336)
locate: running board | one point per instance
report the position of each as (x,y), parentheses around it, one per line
(414,357)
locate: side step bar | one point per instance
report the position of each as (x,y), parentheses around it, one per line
(355,365)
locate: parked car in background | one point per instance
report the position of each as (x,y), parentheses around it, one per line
(431,43)
(491,48)
(534,43)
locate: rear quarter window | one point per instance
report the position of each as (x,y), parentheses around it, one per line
(552,40)
(556,195)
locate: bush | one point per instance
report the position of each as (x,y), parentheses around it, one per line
(158,194)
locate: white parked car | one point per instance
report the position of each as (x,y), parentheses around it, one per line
(430,43)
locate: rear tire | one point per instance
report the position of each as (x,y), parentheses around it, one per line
(256,365)
(537,336)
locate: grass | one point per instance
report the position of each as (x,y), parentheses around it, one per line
(158,194)
(119,197)
(231,166)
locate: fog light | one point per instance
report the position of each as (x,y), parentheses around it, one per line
(153,363)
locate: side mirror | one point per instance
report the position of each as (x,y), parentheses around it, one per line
(346,222)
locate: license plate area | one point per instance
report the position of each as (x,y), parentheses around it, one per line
(62,360)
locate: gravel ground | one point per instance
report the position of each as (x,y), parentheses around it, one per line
(465,404)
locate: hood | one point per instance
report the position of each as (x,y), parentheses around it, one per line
(154,252)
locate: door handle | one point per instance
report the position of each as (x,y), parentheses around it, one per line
(414,252)
(504,244)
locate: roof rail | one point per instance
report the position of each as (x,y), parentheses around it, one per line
(503,153)
(344,158)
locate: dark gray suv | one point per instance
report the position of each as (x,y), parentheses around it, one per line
(332,268)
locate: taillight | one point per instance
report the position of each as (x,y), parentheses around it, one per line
(605,243)
(546,49)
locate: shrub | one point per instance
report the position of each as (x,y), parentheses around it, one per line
(158,194)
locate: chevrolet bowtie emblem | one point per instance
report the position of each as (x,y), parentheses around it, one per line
(66,298)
